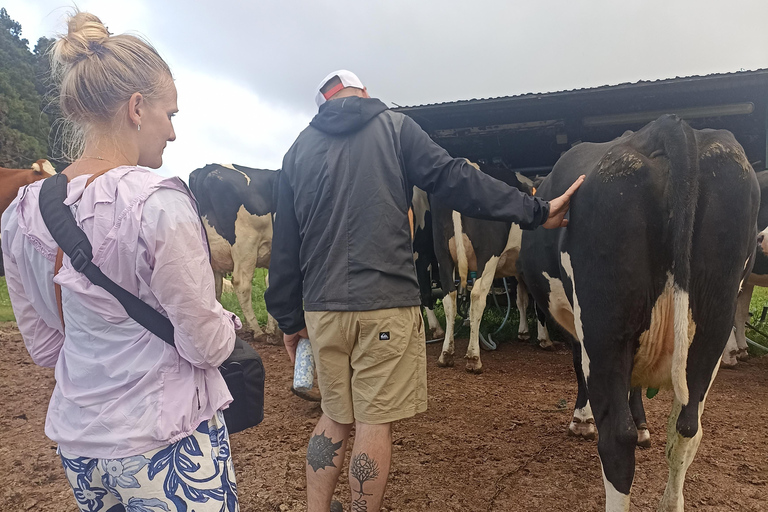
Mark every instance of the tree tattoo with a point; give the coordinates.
(321, 451)
(362, 468)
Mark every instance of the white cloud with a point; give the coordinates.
(47, 18)
(222, 122)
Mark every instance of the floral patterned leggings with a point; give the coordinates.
(194, 473)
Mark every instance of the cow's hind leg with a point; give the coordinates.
(729, 357)
(218, 282)
(522, 308)
(606, 360)
(736, 348)
(542, 334)
(271, 328)
(618, 434)
(680, 452)
(741, 318)
(583, 422)
(479, 295)
(242, 277)
(434, 329)
(638, 415)
(449, 306)
(684, 427)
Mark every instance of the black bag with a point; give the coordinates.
(243, 370)
(244, 373)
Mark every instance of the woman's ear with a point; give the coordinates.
(136, 107)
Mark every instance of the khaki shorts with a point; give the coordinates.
(371, 365)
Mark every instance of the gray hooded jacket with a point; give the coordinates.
(341, 238)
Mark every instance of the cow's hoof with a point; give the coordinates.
(742, 354)
(474, 365)
(312, 395)
(547, 345)
(523, 336)
(445, 360)
(434, 334)
(246, 334)
(269, 339)
(643, 438)
(584, 429)
(729, 362)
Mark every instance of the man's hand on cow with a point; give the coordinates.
(558, 207)
(291, 341)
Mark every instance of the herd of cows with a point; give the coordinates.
(654, 270)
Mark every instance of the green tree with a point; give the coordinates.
(50, 98)
(24, 128)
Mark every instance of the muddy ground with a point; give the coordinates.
(490, 442)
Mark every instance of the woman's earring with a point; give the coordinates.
(138, 127)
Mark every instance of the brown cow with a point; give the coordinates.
(11, 180)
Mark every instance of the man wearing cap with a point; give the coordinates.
(342, 271)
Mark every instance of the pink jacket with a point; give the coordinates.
(120, 390)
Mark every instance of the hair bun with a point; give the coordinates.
(85, 36)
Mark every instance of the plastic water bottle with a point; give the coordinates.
(304, 367)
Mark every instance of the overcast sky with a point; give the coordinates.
(246, 72)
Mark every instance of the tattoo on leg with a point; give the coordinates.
(362, 468)
(321, 451)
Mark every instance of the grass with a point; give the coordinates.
(230, 302)
(6, 312)
(759, 300)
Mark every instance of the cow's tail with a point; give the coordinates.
(678, 141)
(461, 251)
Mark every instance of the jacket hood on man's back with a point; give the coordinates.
(346, 115)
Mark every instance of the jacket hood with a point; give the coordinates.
(346, 115)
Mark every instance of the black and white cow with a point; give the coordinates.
(236, 206)
(645, 277)
(490, 249)
(736, 349)
(425, 259)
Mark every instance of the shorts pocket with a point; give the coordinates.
(386, 336)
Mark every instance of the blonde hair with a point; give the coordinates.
(97, 73)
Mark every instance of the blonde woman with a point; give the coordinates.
(138, 422)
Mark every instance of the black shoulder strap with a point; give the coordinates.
(72, 240)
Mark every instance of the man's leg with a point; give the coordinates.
(325, 457)
(369, 466)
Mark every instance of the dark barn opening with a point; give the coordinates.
(529, 132)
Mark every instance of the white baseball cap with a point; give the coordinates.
(348, 79)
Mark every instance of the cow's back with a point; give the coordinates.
(225, 192)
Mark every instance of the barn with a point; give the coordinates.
(529, 132)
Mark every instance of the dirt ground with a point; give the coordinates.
(490, 442)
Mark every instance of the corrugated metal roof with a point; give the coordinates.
(756, 72)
